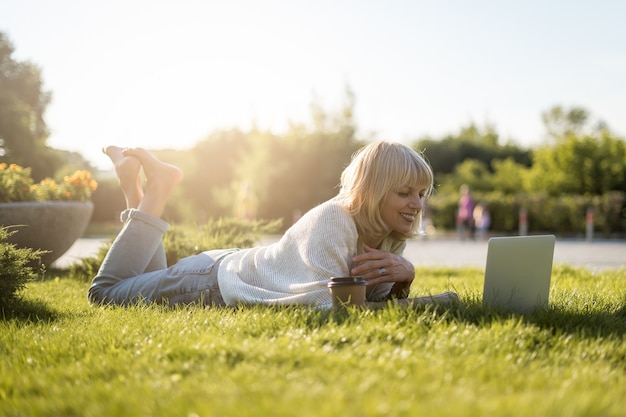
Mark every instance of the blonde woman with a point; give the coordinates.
(361, 231)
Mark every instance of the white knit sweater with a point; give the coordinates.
(297, 268)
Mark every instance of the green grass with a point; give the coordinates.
(60, 357)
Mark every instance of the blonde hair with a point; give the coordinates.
(374, 171)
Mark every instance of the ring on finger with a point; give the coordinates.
(382, 271)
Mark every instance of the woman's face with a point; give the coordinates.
(400, 208)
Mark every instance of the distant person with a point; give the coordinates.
(361, 231)
(465, 214)
(482, 220)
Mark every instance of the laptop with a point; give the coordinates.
(518, 272)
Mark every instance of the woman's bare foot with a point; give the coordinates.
(161, 178)
(127, 171)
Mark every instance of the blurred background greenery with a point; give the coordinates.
(257, 174)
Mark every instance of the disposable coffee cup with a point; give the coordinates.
(347, 291)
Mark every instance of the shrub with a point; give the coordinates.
(15, 271)
(222, 233)
(183, 241)
(563, 214)
(15, 183)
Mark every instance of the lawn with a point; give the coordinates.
(61, 357)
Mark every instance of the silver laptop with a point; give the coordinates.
(518, 272)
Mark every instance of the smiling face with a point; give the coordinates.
(384, 189)
(400, 208)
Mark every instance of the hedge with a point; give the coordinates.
(564, 214)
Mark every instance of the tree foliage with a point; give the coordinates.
(584, 158)
(580, 165)
(579, 159)
(472, 142)
(560, 122)
(23, 130)
(259, 174)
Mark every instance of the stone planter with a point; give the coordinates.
(49, 225)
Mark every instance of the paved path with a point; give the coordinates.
(82, 248)
(596, 255)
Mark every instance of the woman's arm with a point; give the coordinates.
(448, 297)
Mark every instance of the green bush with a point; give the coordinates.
(183, 241)
(504, 210)
(564, 214)
(610, 212)
(15, 269)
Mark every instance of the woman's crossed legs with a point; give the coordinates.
(126, 274)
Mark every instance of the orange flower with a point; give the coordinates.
(16, 184)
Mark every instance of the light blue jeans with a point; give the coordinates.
(135, 269)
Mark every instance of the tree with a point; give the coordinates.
(211, 173)
(561, 123)
(23, 131)
(580, 165)
(471, 142)
(584, 159)
(268, 175)
(308, 161)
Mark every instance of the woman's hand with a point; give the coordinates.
(377, 266)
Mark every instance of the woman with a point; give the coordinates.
(464, 217)
(362, 231)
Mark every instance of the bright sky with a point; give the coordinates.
(164, 74)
